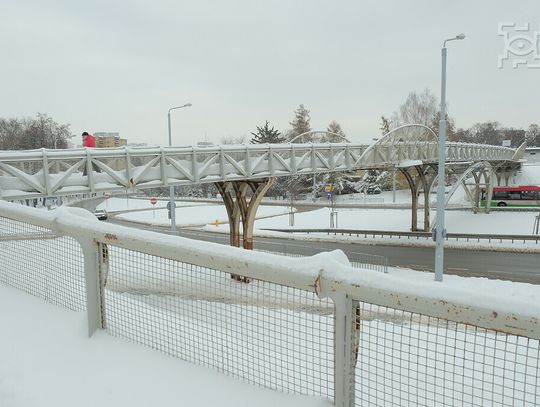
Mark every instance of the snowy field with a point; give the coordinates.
(257, 332)
(456, 221)
(122, 204)
(47, 359)
(276, 217)
(192, 214)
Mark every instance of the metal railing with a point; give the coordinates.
(94, 170)
(311, 325)
(361, 260)
(416, 235)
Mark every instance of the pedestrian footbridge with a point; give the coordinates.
(237, 169)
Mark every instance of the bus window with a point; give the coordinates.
(515, 195)
(501, 195)
(529, 195)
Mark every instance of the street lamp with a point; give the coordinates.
(440, 232)
(172, 205)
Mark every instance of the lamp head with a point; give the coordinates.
(189, 104)
(460, 36)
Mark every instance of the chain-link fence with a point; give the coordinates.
(295, 325)
(35, 260)
(264, 333)
(411, 359)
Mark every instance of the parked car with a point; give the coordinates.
(101, 214)
(373, 190)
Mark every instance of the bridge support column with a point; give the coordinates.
(414, 198)
(240, 207)
(414, 185)
(476, 192)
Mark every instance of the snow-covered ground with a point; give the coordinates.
(276, 217)
(400, 220)
(122, 204)
(195, 215)
(395, 219)
(47, 359)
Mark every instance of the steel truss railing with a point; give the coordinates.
(311, 326)
(39, 173)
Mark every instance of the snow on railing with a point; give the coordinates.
(311, 325)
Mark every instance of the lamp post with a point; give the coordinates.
(440, 232)
(171, 187)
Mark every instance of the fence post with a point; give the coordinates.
(344, 351)
(92, 252)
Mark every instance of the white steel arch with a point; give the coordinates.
(322, 133)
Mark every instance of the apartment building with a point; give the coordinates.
(109, 140)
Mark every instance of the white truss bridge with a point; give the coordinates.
(40, 173)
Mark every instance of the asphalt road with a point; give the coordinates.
(523, 267)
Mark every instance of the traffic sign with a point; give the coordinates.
(153, 200)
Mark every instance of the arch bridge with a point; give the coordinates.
(240, 172)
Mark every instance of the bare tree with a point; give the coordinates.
(532, 135)
(233, 139)
(516, 136)
(450, 126)
(487, 133)
(32, 133)
(419, 108)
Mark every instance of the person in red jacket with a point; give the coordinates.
(89, 141)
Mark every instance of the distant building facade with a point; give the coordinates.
(109, 139)
(532, 154)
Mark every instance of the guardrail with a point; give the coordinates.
(418, 235)
(311, 325)
(361, 260)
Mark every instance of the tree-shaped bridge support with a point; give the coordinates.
(242, 199)
(426, 176)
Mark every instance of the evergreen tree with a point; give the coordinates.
(300, 124)
(385, 126)
(335, 128)
(371, 181)
(300, 184)
(265, 134)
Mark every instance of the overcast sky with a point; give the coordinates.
(120, 65)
